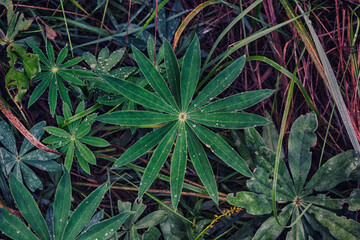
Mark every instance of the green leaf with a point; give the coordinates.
(31, 65)
(339, 227)
(37, 51)
(106, 228)
(236, 102)
(143, 145)
(133, 235)
(71, 63)
(63, 91)
(202, 165)
(270, 229)
(83, 213)
(70, 78)
(8, 138)
(37, 131)
(151, 220)
(324, 200)
(234, 120)
(21, 25)
(152, 234)
(336, 170)
(136, 118)
(261, 183)
(15, 78)
(138, 94)
(253, 203)
(50, 52)
(95, 141)
(190, 73)
(219, 83)
(53, 95)
(30, 178)
(150, 48)
(297, 231)
(113, 59)
(178, 166)
(301, 139)
(57, 132)
(69, 155)
(39, 90)
(221, 149)
(62, 55)
(13, 227)
(157, 160)
(354, 200)
(265, 158)
(85, 152)
(62, 205)
(90, 59)
(28, 208)
(82, 161)
(173, 71)
(154, 78)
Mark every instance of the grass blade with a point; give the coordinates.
(334, 88)
(189, 17)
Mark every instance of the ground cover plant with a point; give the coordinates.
(179, 119)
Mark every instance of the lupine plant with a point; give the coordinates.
(54, 73)
(18, 162)
(184, 121)
(72, 139)
(64, 227)
(307, 210)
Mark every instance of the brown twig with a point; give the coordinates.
(149, 190)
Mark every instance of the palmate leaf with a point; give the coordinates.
(138, 94)
(136, 118)
(190, 73)
(183, 122)
(28, 208)
(157, 160)
(219, 83)
(13, 227)
(301, 139)
(154, 78)
(221, 149)
(178, 165)
(57, 72)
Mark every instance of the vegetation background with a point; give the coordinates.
(304, 57)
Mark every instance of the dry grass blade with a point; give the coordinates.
(23, 130)
(333, 86)
(189, 18)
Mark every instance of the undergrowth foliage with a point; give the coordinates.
(154, 124)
